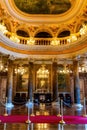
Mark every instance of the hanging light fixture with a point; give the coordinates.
(65, 70)
(1, 64)
(42, 72)
(21, 70)
(83, 69)
(83, 66)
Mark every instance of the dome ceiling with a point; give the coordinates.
(43, 6)
(68, 10)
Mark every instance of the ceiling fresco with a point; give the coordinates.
(43, 6)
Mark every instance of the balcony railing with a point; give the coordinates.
(44, 41)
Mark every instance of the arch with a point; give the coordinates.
(64, 28)
(43, 34)
(64, 33)
(44, 29)
(22, 33)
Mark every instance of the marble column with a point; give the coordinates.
(0, 87)
(76, 84)
(9, 84)
(30, 82)
(55, 82)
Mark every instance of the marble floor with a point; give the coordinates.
(41, 127)
(41, 109)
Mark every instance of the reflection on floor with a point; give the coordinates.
(41, 127)
(41, 109)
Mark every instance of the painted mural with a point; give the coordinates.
(43, 6)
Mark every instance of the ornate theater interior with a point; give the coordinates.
(43, 51)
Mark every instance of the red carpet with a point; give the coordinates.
(43, 119)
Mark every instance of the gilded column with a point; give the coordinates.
(55, 82)
(76, 84)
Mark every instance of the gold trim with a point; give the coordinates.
(67, 16)
(70, 50)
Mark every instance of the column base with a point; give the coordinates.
(62, 122)
(28, 121)
(9, 105)
(78, 106)
(29, 104)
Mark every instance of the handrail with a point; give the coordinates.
(45, 41)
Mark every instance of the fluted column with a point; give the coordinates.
(9, 84)
(30, 81)
(55, 82)
(76, 84)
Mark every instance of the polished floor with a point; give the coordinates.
(41, 109)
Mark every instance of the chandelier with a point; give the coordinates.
(83, 66)
(83, 69)
(1, 66)
(42, 72)
(20, 70)
(64, 70)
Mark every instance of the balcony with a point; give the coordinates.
(43, 41)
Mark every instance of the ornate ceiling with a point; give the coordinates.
(70, 20)
(43, 7)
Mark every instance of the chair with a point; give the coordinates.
(68, 98)
(61, 96)
(23, 97)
